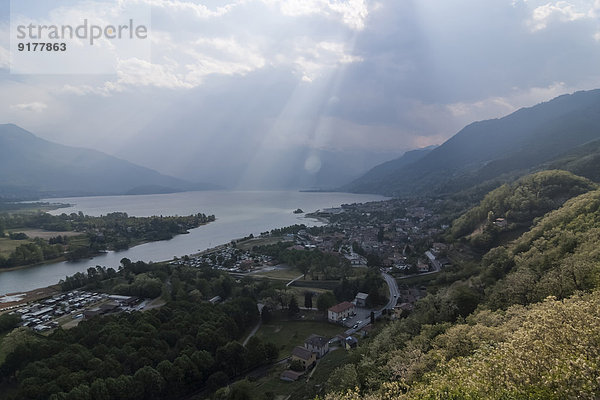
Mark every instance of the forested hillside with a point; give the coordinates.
(518, 204)
(521, 323)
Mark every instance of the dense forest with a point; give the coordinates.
(188, 345)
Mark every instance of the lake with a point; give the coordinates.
(238, 213)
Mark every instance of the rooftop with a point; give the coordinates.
(302, 353)
(316, 341)
(338, 308)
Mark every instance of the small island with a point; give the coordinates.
(298, 211)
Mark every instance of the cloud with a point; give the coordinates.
(561, 11)
(198, 10)
(36, 107)
(235, 78)
(351, 12)
(314, 58)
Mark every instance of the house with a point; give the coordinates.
(306, 357)
(361, 299)
(317, 344)
(290, 376)
(350, 343)
(340, 311)
(439, 247)
(433, 260)
(422, 267)
(215, 300)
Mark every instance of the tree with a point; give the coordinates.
(232, 358)
(343, 378)
(296, 365)
(151, 381)
(325, 301)
(241, 391)
(293, 308)
(308, 299)
(265, 315)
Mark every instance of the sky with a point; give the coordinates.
(236, 89)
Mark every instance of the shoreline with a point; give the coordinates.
(309, 216)
(92, 256)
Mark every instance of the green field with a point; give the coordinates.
(279, 274)
(7, 246)
(287, 334)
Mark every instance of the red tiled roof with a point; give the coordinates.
(338, 308)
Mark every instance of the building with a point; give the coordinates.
(306, 357)
(317, 344)
(361, 299)
(290, 376)
(350, 343)
(433, 260)
(340, 311)
(422, 267)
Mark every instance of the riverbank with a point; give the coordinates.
(11, 301)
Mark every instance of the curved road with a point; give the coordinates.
(394, 293)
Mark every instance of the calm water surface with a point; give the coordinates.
(238, 214)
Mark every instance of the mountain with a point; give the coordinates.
(582, 160)
(485, 150)
(31, 166)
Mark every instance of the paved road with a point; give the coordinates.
(294, 280)
(394, 293)
(256, 328)
(365, 319)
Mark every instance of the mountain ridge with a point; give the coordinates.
(32, 166)
(484, 150)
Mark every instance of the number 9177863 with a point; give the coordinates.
(40, 46)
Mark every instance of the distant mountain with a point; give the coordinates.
(583, 161)
(31, 166)
(486, 150)
(379, 175)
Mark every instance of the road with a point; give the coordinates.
(394, 291)
(366, 320)
(294, 280)
(256, 328)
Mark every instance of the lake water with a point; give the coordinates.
(238, 214)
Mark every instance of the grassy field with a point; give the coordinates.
(7, 246)
(287, 334)
(288, 274)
